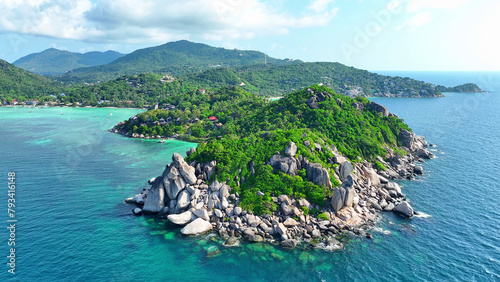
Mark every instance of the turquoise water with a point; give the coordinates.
(73, 175)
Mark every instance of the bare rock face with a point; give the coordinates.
(290, 222)
(174, 186)
(357, 105)
(372, 175)
(311, 102)
(183, 200)
(317, 174)
(338, 198)
(349, 196)
(180, 219)
(404, 209)
(345, 169)
(198, 226)
(287, 165)
(344, 196)
(187, 172)
(413, 141)
(378, 108)
(291, 150)
(155, 201)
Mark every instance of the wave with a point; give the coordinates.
(421, 214)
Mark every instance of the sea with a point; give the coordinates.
(72, 176)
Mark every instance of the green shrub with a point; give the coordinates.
(305, 210)
(323, 216)
(379, 166)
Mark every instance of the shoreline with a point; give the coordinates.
(184, 195)
(91, 107)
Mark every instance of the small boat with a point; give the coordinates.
(162, 141)
(110, 114)
(62, 113)
(31, 111)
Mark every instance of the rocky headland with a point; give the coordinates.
(185, 196)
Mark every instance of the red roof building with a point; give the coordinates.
(212, 118)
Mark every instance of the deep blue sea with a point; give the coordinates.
(72, 177)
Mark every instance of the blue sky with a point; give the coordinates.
(457, 35)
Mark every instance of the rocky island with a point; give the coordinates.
(326, 165)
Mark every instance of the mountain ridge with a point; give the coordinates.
(53, 61)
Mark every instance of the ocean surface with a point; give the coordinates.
(72, 177)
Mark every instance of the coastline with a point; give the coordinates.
(93, 107)
(184, 195)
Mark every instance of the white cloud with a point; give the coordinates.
(415, 21)
(415, 6)
(320, 6)
(131, 21)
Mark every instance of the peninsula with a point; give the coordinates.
(304, 168)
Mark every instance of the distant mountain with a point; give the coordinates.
(53, 61)
(16, 82)
(180, 57)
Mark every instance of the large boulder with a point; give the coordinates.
(412, 141)
(404, 209)
(345, 169)
(198, 226)
(290, 222)
(155, 201)
(423, 153)
(318, 175)
(180, 219)
(349, 196)
(378, 108)
(311, 102)
(280, 229)
(291, 150)
(202, 213)
(171, 172)
(183, 200)
(371, 174)
(187, 172)
(173, 187)
(357, 106)
(338, 198)
(287, 165)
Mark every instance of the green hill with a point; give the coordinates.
(277, 80)
(175, 58)
(53, 61)
(249, 131)
(17, 83)
(464, 88)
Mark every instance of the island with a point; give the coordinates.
(305, 168)
(154, 75)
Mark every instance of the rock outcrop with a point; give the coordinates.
(404, 209)
(183, 196)
(155, 200)
(378, 108)
(198, 226)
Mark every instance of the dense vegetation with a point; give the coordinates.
(464, 88)
(277, 80)
(175, 58)
(16, 83)
(249, 129)
(53, 61)
(183, 68)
